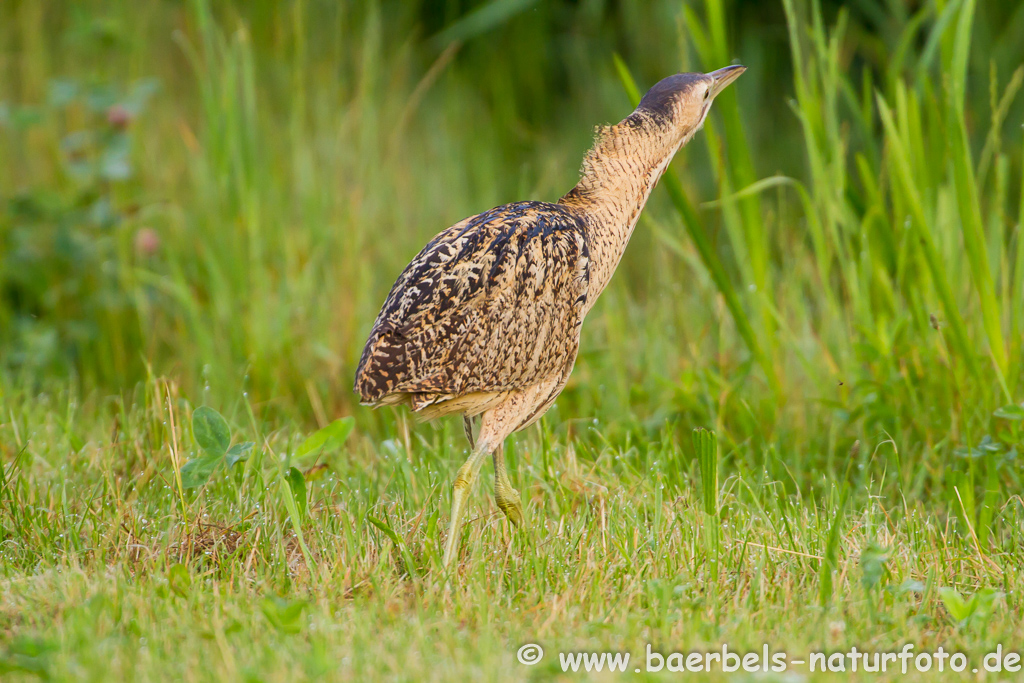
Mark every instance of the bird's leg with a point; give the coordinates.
(467, 425)
(505, 496)
(460, 495)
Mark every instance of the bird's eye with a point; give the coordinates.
(707, 94)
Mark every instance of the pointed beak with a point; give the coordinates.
(724, 77)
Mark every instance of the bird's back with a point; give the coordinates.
(492, 304)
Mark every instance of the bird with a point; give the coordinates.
(485, 320)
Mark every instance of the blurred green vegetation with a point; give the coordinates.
(206, 203)
(223, 194)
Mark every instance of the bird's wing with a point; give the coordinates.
(492, 303)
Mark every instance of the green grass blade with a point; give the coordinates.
(967, 191)
(921, 229)
(1016, 292)
(705, 443)
(479, 21)
(974, 240)
(830, 563)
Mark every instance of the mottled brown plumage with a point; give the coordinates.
(491, 305)
(486, 319)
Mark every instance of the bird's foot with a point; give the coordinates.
(509, 502)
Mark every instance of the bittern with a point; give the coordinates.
(485, 321)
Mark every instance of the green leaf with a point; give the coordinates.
(955, 604)
(28, 654)
(983, 602)
(298, 487)
(24, 117)
(210, 430)
(976, 610)
(114, 166)
(330, 437)
(239, 452)
(911, 586)
(872, 564)
(1010, 412)
(197, 471)
(179, 579)
(386, 528)
(284, 615)
(61, 92)
(984, 447)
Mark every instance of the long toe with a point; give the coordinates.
(512, 506)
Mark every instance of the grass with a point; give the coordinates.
(206, 204)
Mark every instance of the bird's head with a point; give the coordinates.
(645, 141)
(682, 101)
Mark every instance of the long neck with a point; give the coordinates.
(619, 173)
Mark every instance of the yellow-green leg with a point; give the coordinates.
(495, 425)
(460, 496)
(506, 496)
